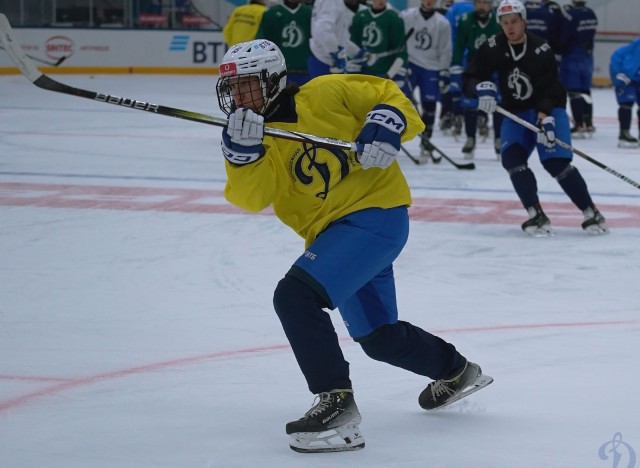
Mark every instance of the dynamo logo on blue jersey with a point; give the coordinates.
(179, 43)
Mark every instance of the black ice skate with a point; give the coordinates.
(469, 148)
(456, 130)
(331, 425)
(581, 132)
(594, 222)
(538, 224)
(589, 127)
(625, 140)
(426, 148)
(461, 383)
(446, 122)
(496, 147)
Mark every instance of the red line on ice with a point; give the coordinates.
(73, 383)
(460, 210)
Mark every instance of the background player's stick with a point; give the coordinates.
(373, 57)
(28, 69)
(409, 155)
(468, 166)
(45, 62)
(561, 143)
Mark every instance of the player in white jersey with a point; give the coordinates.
(429, 48)
(330, 42)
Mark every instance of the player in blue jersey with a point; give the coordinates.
(351, 209)
(577, 38)
(454, 121)
(542, 22)
(473, 30)
(531, 89)
(624, 70)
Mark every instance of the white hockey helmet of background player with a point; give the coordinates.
(260, 58)
(508, 7)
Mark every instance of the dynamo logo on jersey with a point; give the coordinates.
(520, 84)
(179, 43)
(292, 35)
(423, 39)
(371, 36)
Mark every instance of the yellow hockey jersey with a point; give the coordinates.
(310, 187)
(243, 24)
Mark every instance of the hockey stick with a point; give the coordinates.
(409, 155)
(469, 165)
(463, 166)
(28, 69)
(584, 96)
(373, 58)
(564, 145)
(45, 62)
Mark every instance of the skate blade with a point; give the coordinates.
(544, 231)
(425, 156)
(328, 449)
(597, 230)
(343, 439)
(625, 144)
(469, 156)
(481, 382)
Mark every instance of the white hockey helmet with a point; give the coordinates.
(260, 58)
(507, 7)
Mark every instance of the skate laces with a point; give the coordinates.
(440, 387)
(324, 401)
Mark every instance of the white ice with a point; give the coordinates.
(137, 329)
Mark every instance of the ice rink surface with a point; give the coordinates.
(136, 325)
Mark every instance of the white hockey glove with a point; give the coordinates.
(379, 139)
(487, 95)
(547, 135)
(242, 138)
(354, 64)
(622, 80)
(339, 61)
(353, 67)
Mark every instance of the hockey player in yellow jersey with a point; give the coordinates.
(244, 22)
(352, 211)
